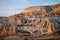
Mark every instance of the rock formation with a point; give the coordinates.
(36, 20)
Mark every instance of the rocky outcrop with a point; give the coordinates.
(35, 20)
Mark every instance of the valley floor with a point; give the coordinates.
(45, 37)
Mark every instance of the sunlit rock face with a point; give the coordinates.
(35, 20)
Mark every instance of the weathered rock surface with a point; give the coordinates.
(35, 20)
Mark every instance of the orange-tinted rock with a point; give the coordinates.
(35, 19)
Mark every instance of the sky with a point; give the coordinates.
(11, 7)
